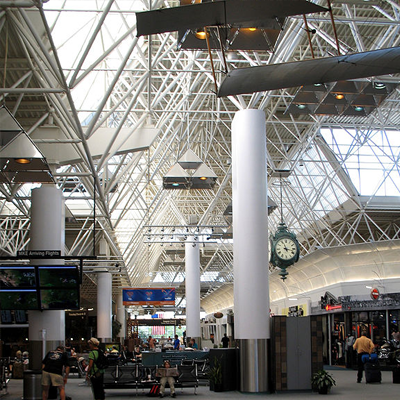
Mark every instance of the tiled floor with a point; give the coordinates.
(346, 388)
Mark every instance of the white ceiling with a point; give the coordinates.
(112, 114)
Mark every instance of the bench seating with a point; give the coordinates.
(137, 376)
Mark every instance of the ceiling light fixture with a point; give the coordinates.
(379, 85)
(23, 160)
(340, 96)
(201, 34)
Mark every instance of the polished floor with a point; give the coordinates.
(346, 388)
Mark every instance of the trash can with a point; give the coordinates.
(33, 384)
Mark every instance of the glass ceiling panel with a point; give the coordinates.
(369, 157)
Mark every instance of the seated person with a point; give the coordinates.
(127, 355)
(137, 354)
(167, 375)
(193, 344)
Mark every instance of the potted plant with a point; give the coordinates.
(215, 375)
(322, 381)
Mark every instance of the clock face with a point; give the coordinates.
(286, 249)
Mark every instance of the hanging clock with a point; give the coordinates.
(285, 249)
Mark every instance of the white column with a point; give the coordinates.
(104, 306)
(46, 328)
(192, 288)
(121, 317)
(250, 235)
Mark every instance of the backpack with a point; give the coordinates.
(154, 391)
(101, 361)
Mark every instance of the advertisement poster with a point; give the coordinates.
(148, 296)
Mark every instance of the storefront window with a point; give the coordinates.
(394, 323)
(378, 319)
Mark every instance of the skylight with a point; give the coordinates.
(369, 158)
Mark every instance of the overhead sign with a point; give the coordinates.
(39, 253)
(148, 296)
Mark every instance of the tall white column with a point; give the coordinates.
(46, 328)
(250, 249)
(104, 306)
(192, 288)
(121, 317)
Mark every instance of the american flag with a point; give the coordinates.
(158, 330)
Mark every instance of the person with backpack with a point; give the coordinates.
(95, 371)
(55, 371)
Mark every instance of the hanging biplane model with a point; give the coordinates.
(227, 16)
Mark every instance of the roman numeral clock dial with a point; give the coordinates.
(285, 249)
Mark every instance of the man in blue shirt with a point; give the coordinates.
(177, 343)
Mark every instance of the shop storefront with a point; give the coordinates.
(345, 321)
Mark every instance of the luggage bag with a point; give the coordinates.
(372, 358)
(372, 372)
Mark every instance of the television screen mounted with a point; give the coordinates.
(59, 299)
(58, 276)
(17, 277)
(19, 300)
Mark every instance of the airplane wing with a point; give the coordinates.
(320, 70)
(220, 13)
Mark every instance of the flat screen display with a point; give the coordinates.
(20, 317)
(19, 299)
(59, 276)
(6, 317)
(17, 277)
(59, 299)
(108, 347)
(49, 287)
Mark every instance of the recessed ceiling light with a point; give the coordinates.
(358, 108)
(301, 106)
(23, 160)
(340, 96)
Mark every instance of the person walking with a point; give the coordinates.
(177, 343)
(55, 371)
(363, 345)
(151, 343)
(167, 375)
(95, 374)
(225, 341)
